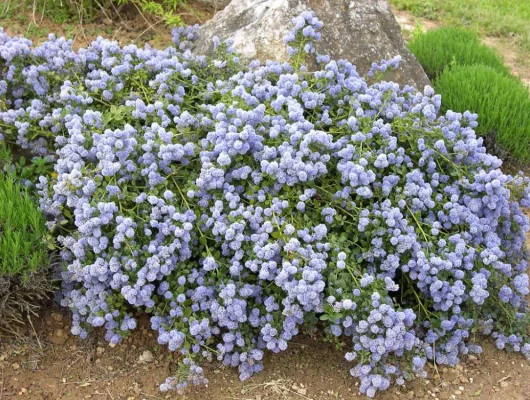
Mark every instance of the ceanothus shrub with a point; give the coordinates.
(237, 205)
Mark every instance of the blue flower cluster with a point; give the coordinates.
(236, 204)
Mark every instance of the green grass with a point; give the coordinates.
(501, 102)
(486, 17)
(23, 247)
(444, 47)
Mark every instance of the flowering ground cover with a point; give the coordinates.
(240, 205)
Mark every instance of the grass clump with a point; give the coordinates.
(502, 103)
(24, 257)
(441, 48)
(22, 230)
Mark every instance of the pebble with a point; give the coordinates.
(57, 317)
(504, 384)
(302, 391)
(58, 337)
(100, 350)
(146, 357)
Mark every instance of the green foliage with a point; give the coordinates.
(502, 103)
(440, 48)
(25, 171)
(23, 247)
(165, 10)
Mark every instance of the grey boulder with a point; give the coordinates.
(360, 31)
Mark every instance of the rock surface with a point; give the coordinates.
(361, 31)
(146, 357)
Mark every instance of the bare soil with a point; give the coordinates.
(127, 25)
(54, 365)
(50, 364)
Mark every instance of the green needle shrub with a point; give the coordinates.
(24, 257)
(440, 48)
(501, 102)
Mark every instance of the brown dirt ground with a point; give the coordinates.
(50, 364)
(124, 24)
(53, 365)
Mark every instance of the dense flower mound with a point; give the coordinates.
(238, 205)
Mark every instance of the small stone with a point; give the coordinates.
(458, 392)
(146, 357)
(504, 384)
(58, 337)
(110, 368)
(15, 366)
(57, 317)
(112, 345)
(410, 395)
(100, 350)
(461, 388)
(302, 391)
